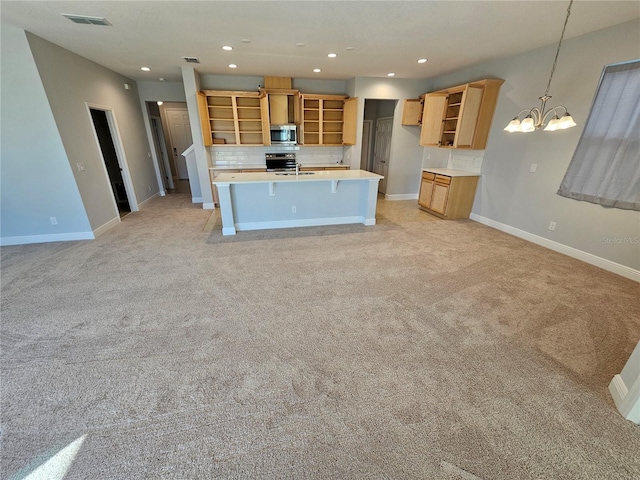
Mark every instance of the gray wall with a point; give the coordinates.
(36, 178)
(508, 192)
(403, 177)
(70, 81)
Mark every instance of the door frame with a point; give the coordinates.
(368, 164)
(121, 156)
(157, 132)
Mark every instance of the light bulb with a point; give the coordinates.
(553, 124)
(514, 126)
(527, 124)
(566, 121)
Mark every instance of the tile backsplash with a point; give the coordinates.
(471, 160)
(221, 155)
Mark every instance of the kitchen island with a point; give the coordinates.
(263, 200)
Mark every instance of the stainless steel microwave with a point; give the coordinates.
(284, 134)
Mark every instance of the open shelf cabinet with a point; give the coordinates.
(234, 118)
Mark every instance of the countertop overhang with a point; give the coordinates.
(272, 177)
(450, 172)
(243, 166)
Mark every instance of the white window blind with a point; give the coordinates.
(605, 167)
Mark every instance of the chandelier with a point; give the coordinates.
(537, 117)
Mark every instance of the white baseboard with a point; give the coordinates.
(150, 198)
(53, 237)
(196, 199)
(627, 401)
(209, 206)
(306, 222)
(402, 196)
(114, 222)
(600, 262)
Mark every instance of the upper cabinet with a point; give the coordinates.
(460, 117)
(328, 120)
(412, 111)
(234, 118)
(245, 118)
(283, 100)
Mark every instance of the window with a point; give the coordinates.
(605, 167)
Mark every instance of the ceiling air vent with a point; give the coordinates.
(191, 60)
(83, 19)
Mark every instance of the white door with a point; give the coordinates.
(382, 150)
(180, 133)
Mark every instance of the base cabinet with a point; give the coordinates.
(446, 196)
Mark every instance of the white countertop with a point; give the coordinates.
(451, 173)
(271, 177)
(242, 166)
(237, 166)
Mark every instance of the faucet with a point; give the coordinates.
(298, 169)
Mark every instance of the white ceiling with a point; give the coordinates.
(386, 36)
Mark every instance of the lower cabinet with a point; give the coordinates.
(449, 197)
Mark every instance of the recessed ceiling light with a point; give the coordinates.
(332, 55)
(350, 48)
(299, 44)
(245, 40)
(227, 47)
(233, 65)
(161, 79)
(422, 60)
(391, 74)
(159, 102)
(317, 70)
(145, 69)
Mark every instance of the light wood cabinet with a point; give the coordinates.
(460, 117)
(283, 106)
(328, 120)
(412, 111)
(446, 196)
(234, 118)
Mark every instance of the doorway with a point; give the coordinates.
(105, 139)
(180, 138)
(161, 151)
(376, 138)
(382, 150)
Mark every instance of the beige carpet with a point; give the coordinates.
(413, 349)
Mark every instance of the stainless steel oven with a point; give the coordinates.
(280, 162)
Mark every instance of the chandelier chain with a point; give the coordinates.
(555, 60)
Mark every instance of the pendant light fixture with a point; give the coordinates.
(537, 117)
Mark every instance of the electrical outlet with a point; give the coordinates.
(80, 166)
(293, 209)
(552, 226)
(53, 220)
(534, 167)
(149, 187)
